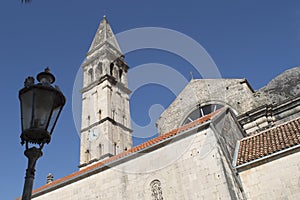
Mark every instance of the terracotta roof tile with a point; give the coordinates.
(269, 142)
(130, 151)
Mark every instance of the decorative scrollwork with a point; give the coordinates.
(156, 190)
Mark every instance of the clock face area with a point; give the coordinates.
(201, 111)
(93, 134)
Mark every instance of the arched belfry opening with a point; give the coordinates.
(99, 70)
(90, 75)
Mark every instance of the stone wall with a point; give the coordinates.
(274, 179)
(190, 168)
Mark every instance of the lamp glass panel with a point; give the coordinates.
(43, 103)
(53, 119)
(26, 100)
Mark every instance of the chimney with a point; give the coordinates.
(49, 178)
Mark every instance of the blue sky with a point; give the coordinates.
(246, 39)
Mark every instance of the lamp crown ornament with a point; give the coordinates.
(28, 81)
(46, 77)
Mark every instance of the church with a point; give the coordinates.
(218, 139)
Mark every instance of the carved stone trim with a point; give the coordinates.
(156, 190)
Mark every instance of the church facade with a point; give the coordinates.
(219, 139)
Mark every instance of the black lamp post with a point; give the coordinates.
(41, 105)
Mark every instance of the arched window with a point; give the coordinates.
(100, 150)
(124, 120)
(99, 114)
(201, 111)
(113, 113)
(115, 149)
(91, 75)
(115, 73)
(99, 70)
(156, 190)
(88, 120)
(111, 66)
(87, 155)
(120, 74)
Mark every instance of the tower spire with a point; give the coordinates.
(105, 123)
(104, 35)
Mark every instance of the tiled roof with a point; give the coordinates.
(269, 142)
(130, 151)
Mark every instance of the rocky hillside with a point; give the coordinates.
(283, 87)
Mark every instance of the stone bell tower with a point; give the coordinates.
(105, 128)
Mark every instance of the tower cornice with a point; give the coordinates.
(103, 50)
(109, 46)
(104, 120)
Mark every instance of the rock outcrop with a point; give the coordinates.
(283, 87)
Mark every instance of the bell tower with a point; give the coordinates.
(105, 126)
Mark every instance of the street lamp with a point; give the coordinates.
(41, 105)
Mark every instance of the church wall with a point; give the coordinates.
(276, 179)
(190, 168)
